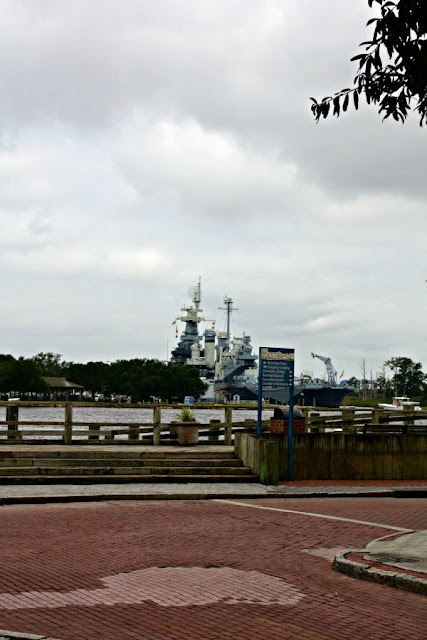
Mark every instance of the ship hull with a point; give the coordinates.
(328, 397)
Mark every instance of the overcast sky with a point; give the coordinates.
(145, 143)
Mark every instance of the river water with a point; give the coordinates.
(106, 415)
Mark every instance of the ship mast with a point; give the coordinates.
(191, 317)
(229, 310)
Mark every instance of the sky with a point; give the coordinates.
(147, 143)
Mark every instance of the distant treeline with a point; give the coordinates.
(398, 376)
(139, 379)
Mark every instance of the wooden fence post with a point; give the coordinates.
(410, 418)
(94, 428)
(12, 414)
(228, 425)
(214, 437)
(376, 416)
(157, 418)
(133, 433)
(347, 416)
(68, 425)
(313, 416)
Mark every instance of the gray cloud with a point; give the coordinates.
(145, 144)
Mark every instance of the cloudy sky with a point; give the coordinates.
(145, 143)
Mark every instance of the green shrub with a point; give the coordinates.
(185, 415)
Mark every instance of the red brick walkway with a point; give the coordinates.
(200, 571)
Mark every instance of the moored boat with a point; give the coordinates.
(401, 403)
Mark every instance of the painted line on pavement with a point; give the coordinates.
(315, 515)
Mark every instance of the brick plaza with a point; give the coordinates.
(199, 570)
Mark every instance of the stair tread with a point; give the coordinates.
(17, 469)
(30, 462)
(148, 478)
(164, 455)
(92, 466)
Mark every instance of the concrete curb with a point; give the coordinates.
(380, 576)
(11, 635)
(57, 499)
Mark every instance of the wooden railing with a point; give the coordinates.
(157, 431)
(69, 431)
(353, 420)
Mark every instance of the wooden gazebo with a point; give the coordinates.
(60, 387)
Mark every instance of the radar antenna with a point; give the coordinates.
(195, 294)
(331, 373)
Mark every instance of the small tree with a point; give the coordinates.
(362, 369)
(392, 70)
(355, 383)
(50, 364)
(384, 384)
(408, 378)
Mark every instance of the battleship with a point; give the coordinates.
(229, 367)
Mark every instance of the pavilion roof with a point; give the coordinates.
(61, 383)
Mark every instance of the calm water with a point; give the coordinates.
(122, 414)
(128, 415)
(98, 414)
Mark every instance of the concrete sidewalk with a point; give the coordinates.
(43, 494)
(398, 561)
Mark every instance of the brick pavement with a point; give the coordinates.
(411, 514)
(200, 570)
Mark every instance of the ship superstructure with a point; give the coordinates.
(229, 366)
(219, 358)
(189, 349)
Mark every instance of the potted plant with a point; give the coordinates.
(188, 427)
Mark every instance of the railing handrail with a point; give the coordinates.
(345, 418)
(97, 427)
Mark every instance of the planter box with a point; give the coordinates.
(282, 426)
(188, 433)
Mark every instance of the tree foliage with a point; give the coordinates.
(408, 378)
(21, 375)
(93, 376)
(141, 379)
(50, 364)
(144, 379)
(384, 385)
(392, 70)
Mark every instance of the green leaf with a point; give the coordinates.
(345, 103)
(336, 106)
(356, 100)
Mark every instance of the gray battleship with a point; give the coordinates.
(229, 366)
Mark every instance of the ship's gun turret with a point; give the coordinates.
(331, 373)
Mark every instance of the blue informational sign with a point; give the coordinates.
(276, 370)
(277, 367)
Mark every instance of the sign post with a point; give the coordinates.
(276, 369)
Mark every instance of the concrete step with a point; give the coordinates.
(156, 453)
(116, 479)
(117, 470)
(117, 462)
(23, 464)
